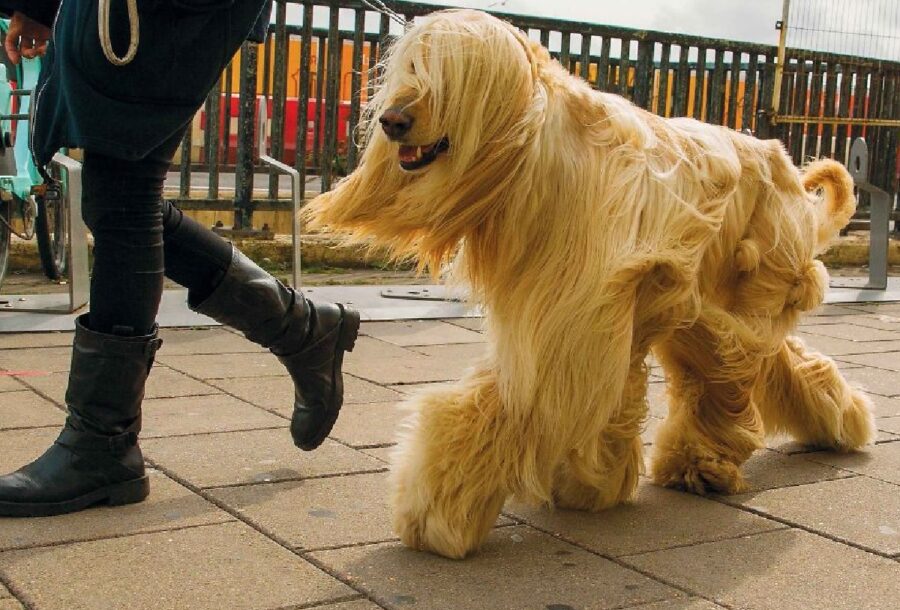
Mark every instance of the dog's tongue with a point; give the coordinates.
(408, 154)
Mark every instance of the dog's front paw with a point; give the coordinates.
(424, 529)
(697, 473)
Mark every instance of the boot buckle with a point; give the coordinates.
(122, 442)
(86, 441)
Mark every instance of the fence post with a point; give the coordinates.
(332, 102)
(184, 189)
(213, 118)
(243, 188)
(279, 95)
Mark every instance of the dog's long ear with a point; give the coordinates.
(537, 55)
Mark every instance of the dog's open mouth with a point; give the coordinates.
(416, 157)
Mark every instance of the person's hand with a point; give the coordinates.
(25, 37)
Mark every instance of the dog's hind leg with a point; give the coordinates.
(450, 473)
(713, 425)
(606, 473)
(803, 393)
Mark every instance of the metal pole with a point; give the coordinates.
(79, 273)
(77, 252)
(779, 67)
(879, 218)
(296, 190)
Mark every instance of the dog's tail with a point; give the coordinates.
(837, 202)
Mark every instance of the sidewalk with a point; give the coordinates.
(240, 519)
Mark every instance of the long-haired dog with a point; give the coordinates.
(591, 231)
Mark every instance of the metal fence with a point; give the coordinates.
(316, 76)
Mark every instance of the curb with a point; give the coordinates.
(327, 250)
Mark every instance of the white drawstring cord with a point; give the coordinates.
(103, 27)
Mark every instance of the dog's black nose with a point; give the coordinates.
(395, 123)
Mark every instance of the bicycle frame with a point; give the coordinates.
(26, 174)
(18, 178)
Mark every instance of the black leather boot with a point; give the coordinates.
(309, 339)
(96, 458)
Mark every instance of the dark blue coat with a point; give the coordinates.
(83, 101)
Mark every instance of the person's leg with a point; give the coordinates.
(138, 238)
(96, 457)
(309, 338)
(122, 208)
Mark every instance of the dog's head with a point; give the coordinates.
(444, 134)
(455, 89)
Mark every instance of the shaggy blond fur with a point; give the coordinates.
(591, 231)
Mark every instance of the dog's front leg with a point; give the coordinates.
(449, 476)
(605, 471)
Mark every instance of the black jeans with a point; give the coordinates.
(139, 238)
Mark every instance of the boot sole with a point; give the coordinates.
(349, 331)
(129, 492)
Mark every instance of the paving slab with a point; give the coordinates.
(788, 446)
(10, 383)
(460, 357)
(412, 367)
(885, 308)
(886, 437)
(658, 518)
(205, 341)
(829, 309)
(656, 400)
(411, 389)
(19, 447)
(870, 320)
(368, 425)
(4, 592)
(875, 381)
(360, 604)
(891, 425)
(25, 409)
(21, 340)
(885, 406)
(859, 510)
(333, 501)
(224, 366)
(384, 454)
(317, 513)
(768, 469)
(209, 567)
(648, 434)
(37, 360)
(202, 414)
(277, 393)
(517, 569)
(781, 570)
(851, 332)
(421, 332)
(879, 462)
(170, 506)
(693, 603)
(476, 324)
(884, 361)
(258, 456)
(10, 604)
(844, 347)
(163, 382)
(371, 349)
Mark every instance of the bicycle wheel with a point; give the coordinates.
(5, 215)
(51, 229)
